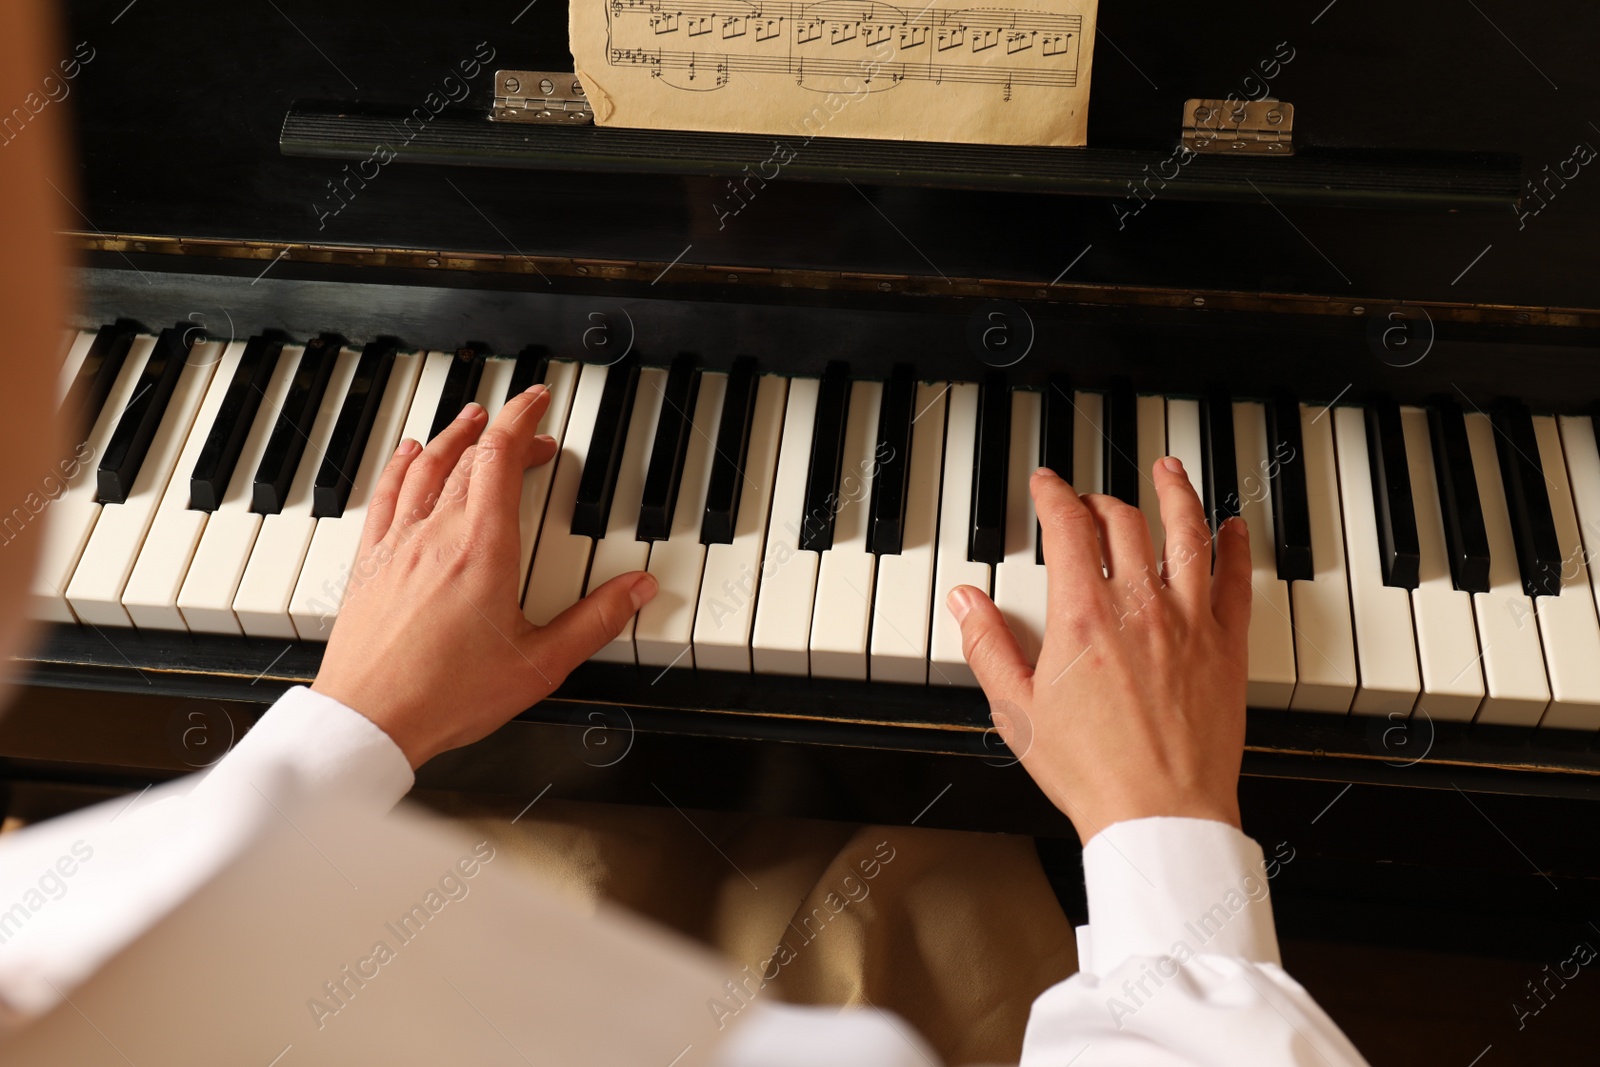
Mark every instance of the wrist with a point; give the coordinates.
(1091, 822)
(383, 715)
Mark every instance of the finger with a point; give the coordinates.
(505, 451)
(1187, 563)
(989, 645)
(1126, 539)
(454, 493)
(593, 622)
(1071, 541)
(426, 481)
(1230, 582)
(380, 509)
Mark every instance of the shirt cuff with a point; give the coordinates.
(333, 749)
(1175, 887)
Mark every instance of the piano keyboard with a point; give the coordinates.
(1405, 558)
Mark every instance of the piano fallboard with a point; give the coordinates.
(943, 721)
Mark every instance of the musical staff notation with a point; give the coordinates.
(700, 44)
(719, 65)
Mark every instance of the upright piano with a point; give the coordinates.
(302, 235)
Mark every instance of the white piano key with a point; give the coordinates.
(95, 591)
(1088, 443)
(1447, 640)
(331, 561)
(620, 550)
(77, 352)
(725, 614)
(492, 385)
(1567, 622)
(841, 616)
(561, 378)
(491, 396)
(664, 629)
(780, 640)
(1583, 474)
(151, 596)
(72, 517)
(1324, 642)
(1386, 645)
(1152, 446)
(1183, 440)
(902, 601)
(1020, 584)
(1508, 631)
(561, 560)
(206, 597)
(1272, 667)
(946, 664)
(424, 399)
(268, 583)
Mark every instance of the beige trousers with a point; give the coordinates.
(956, 932)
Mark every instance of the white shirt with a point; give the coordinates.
(1179, 964)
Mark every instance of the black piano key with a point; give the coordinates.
(220, 454)
(533, 364)
(1055, 436)
(331, 491)
(598, 485)
(664, 475)
(1121, 430)
(460, 386)
(990, 471)
(136, 429)
(98, 373)
(1219, 457)
(287, 445)
(827, 453)
(732, 447)
(1286, 473)
(1466, 540)
(1533, 526)
(892, 453)
(1391, 495)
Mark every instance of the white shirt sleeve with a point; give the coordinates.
(1179, 963)
(333, 749)
(77, 889)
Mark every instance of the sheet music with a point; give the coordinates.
(1010, 72)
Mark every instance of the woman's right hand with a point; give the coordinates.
(1136, 707)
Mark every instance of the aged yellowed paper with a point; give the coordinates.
(1007, 72)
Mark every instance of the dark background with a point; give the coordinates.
(179, 115)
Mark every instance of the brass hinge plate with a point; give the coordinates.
(550, 97)
(1239, 127)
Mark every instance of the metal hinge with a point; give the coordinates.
(1239, 127)
(546, 96)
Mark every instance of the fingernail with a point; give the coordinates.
(544, 438)
(471, 411)
(1173, 464)
(1041, 471)
(1238, 526)
(406, 447)
(959, 602)
(643, 590)
(535, 389)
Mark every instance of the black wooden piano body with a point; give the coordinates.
(1428, 236)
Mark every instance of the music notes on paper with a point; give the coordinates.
(1011, 72)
